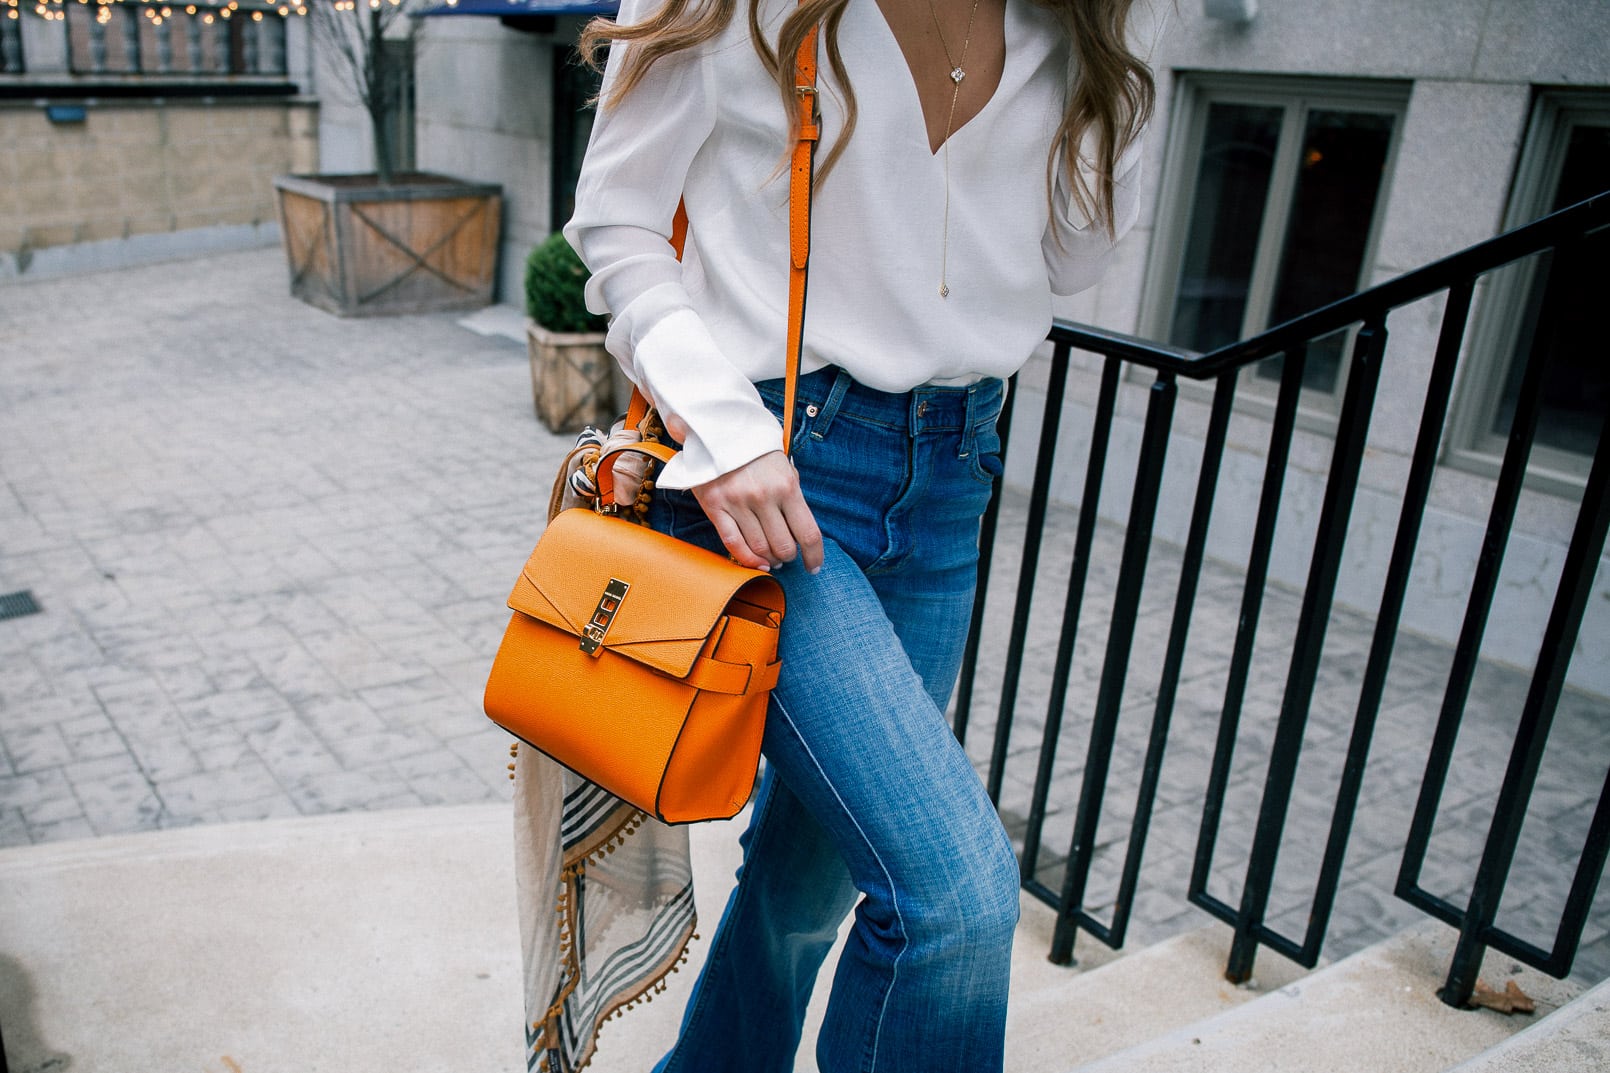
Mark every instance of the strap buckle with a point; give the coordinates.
(810, 115)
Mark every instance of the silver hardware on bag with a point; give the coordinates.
(592, 635)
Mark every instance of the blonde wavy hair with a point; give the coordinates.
(1109, 101)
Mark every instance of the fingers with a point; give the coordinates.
(744, 539)
(802, 524)
(761, 516)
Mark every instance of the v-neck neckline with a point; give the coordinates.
(910, 80)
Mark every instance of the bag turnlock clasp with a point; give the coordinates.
(592, 635)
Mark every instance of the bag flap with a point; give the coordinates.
(675, 591)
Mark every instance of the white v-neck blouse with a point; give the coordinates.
(708, 126)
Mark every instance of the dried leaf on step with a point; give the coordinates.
(1510, 1000)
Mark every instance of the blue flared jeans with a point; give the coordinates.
(868, 802)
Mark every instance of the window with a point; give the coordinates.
(1565, 159)
(10, 43)
(189, 40)
(1274, 212)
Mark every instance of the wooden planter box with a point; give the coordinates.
(574, 381)
(425, 243)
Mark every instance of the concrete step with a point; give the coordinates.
(384, 941)
(1573, 1039)
(372, 942)
(1376, 1011)
(1111, 1001)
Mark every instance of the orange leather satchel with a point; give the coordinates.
(641, 662)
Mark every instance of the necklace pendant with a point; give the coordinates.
(944, 291)
(957, 74)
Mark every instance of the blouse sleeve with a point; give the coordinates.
(1076, 248)
(631, 181)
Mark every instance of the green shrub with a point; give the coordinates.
(554, 282)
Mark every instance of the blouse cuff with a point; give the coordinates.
(636, 321)
(685, 374)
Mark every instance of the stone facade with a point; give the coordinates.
(485, 112)
(114, 156)
(143, 168)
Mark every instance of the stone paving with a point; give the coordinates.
(270, 547)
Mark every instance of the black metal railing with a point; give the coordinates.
(1365, 316)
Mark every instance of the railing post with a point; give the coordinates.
(1174, 659)
(1478, 916)
(987, 529)
(1274, 474)
(1531, 736)
(1120, 639)
(1417, 489)
(1073, 601)
(1352, 433)
(1039, 500)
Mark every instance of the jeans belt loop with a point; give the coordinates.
(830, 407)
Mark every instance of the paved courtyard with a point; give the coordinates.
(270, 548)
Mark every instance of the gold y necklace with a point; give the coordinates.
(957, 73)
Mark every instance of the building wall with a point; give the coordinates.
(1472, 68)
(145, 168)
(485, 112)
(163, 172)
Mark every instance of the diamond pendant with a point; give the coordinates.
(957, 74)
(944, 291)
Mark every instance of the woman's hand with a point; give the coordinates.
(761, 516)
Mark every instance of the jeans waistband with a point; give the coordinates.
(829, 393)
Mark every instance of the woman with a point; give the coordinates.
(963, 177)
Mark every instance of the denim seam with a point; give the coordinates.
(894, 897)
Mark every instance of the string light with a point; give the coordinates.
(158, 13)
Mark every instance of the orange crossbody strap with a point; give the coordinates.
(799, 236)
(799, 222)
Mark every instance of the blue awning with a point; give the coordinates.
(524, 7)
